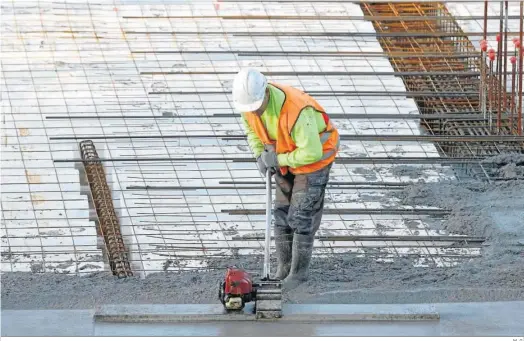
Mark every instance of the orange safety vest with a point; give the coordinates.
(294, 102)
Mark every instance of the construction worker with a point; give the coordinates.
(290, 134)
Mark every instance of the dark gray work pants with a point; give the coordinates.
(300, 211)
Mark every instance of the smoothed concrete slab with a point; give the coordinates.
(47, 322)
(456, 319)
(270, 329)
(318, 313)
(359, 312)
(170, 313)
(482, 318)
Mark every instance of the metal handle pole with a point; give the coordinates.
(267, 246)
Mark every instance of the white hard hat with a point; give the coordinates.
(249, 88)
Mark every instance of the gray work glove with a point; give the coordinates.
(262, 166)
(269, 157)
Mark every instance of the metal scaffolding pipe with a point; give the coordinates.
(312, 53)
(318, 1)
(451, 116)
(321, 34)
(443, 74)
(323, 17)
(346, 137)
(505, 60)
(334, 183)
(238, 186)
(340, 160)
(347, 211)
(513, 96)
(500, 45)
(408, 94)
(491, 96)
(521, 71)
(466, 239)
(484, 35)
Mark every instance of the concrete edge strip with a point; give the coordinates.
(291, 313)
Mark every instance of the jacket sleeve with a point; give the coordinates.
(307, 139)
(257, 147)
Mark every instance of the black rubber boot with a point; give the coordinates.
(283, 246)
(302, 251)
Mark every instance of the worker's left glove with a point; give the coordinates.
(270, 159)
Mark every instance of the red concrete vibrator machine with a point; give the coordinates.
(238, 287)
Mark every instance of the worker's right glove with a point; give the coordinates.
(270, 159)
(262, 166)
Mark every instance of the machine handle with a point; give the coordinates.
(267, 240)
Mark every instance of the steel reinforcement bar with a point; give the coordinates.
(441, 105)
(108, 221)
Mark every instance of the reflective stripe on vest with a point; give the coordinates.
(324, 137)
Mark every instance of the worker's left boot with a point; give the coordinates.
(283, 248)
(302, 251)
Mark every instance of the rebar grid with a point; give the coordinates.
(439, 20)
(184, 227)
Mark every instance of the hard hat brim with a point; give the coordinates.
(249, 107)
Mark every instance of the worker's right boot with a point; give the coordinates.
(302, 252)
(284, 251)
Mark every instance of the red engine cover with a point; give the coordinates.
(238, 282)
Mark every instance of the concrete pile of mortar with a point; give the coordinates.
(494, 211)
(507, 166)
